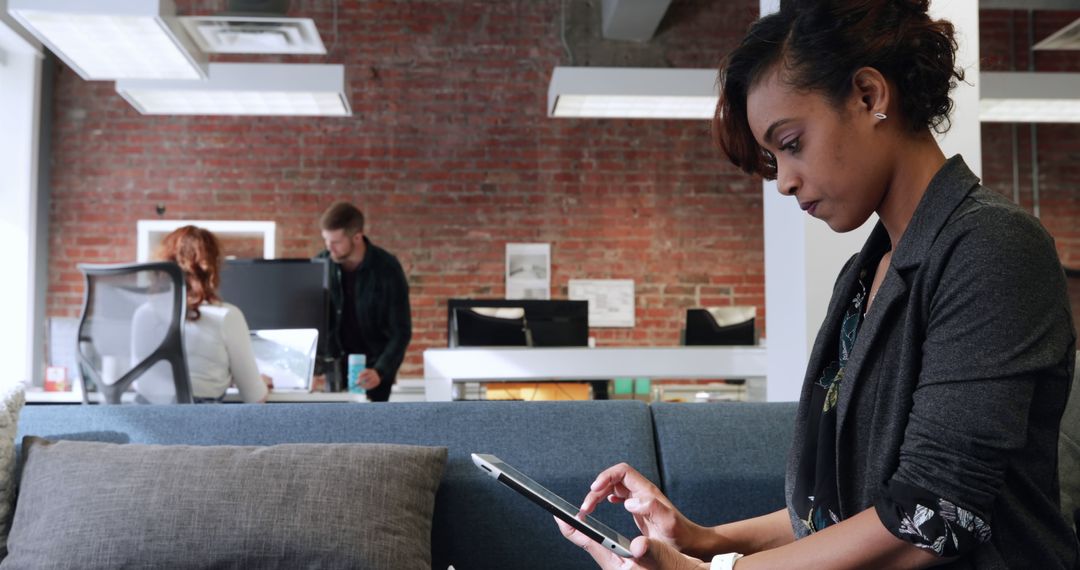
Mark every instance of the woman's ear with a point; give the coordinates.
(871, 91)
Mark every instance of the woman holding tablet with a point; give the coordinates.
(927, 428)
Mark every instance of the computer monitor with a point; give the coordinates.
(472, 322)
(720, 326)
(279, 293)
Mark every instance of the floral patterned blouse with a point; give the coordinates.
(929, 522)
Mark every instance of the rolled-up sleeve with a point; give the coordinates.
(993, 332)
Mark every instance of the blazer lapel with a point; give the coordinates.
(822, 351)
(892, 293)
(946, 191)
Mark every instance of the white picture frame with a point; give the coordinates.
(528, 271)
(150, 233)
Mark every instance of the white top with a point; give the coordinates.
(218, 350)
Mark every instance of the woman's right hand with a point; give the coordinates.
(653, 513)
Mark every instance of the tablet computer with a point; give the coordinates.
(553, 503)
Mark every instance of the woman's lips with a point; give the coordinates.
(809, 207)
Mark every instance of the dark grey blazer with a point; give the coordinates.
(959, 374)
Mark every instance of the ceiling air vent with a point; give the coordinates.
(254, 34)
(1065, 38)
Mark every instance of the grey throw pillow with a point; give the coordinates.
(11, 403)
(94, 505)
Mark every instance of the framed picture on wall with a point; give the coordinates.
(528, 271)
(611, 301)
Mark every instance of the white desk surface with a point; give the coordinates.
(445, 366)
(231, 396)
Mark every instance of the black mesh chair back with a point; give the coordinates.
(130, 337)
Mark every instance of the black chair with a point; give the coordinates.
(721, 326)
(130, 335)
(489, 326)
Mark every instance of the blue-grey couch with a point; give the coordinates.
(717, 462)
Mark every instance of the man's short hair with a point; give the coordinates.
(343, 216)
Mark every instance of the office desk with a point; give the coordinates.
(231, 396)
(446, 367)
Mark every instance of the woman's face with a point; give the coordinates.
(827, 157)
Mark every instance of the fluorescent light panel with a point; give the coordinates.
(245, 89)
(113, 39)
(1065, 38)
(642, 93)
(635, 93)
(1029, 97)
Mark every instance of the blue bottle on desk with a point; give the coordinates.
(356, 365)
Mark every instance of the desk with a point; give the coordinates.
(445, 367)
(231, 396)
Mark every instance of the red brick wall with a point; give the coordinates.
(450, 154)
(1005, 47)
(1058, 145)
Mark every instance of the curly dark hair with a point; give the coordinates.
(821, 44)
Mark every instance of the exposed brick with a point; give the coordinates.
(451, 155)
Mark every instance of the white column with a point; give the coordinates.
(803, 256)
(21, 333)
(965, 135)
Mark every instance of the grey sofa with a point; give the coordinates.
(718, 462)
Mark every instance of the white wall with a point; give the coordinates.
(21, 333)
(803, 256)
(965, 136)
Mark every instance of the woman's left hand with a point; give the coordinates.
(649, 553)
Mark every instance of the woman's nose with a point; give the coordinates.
(787, 185)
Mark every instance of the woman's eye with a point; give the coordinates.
(792, 146)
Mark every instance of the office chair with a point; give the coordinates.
(131, 334)
(721, 326)
(713, 326)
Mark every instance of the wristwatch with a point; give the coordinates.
(724, 561)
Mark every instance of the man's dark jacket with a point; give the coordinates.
(382, 309)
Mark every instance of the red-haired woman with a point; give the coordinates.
(217, 341)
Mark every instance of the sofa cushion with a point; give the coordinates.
(1069, 452)
(11, 403)
(104, 505)
(478, 522)
(724, 462)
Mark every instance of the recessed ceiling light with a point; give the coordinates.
(252, 34)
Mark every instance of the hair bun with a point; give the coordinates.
(919, 7)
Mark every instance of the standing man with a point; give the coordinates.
(369, 301)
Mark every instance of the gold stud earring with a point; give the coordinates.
(881, 116)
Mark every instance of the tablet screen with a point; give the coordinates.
(553, 503)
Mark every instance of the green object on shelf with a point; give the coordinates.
(642, 386)
(624, 385)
